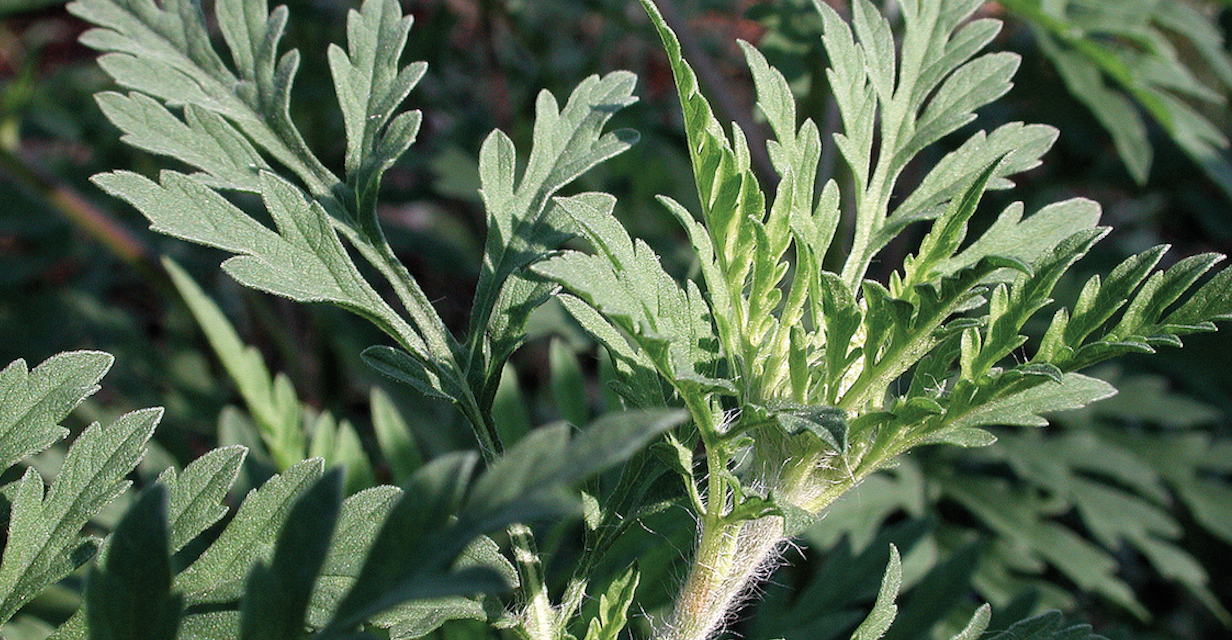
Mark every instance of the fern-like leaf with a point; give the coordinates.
(34, 402)
(45, 541)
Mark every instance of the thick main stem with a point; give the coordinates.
(731, 558)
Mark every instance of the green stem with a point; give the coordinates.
(734, 555)
(540, 620)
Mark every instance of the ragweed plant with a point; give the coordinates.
(799, 372)
(802, 379)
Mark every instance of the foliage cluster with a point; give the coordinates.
(848, 306)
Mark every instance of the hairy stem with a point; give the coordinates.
(731, 558)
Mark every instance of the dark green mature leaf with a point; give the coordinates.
(637, 382)
(403, 367)
(568, 383)
(530, 475)
(196, 493)
(1121, 60)
(32, 403)
(362, 516)
(277, 595)
(218, 573)
(44, 538)
(1047, 626)
(827, 424)
(1021, 519)
(202, 139)
(412, 555)
(165, 52)
(130, 597)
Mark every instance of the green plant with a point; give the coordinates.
(1128, 63)
(798, 378)
(1124, 467)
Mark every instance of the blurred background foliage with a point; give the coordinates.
(1121, 515)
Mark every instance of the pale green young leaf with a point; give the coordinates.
(976, 626)
(1098, 302)
(796, 152)
(745, 246)
(525, 224)
(1024, 408)
(934, 89)
(973, 85)
(626, 283)
(130, 598)
(1019, 146)
(898, 333)
(884, 609)
(877, 40)
(32, 403)
(195, 494)
(1161, 290)
(45, 543)
(1213, 301)
(1027, 239)
(277, 414)
(217, 575)
(202, 139)
(277, 595)
(165, 52)
(947, 232)
(371, 83)
(715, 167)
(394, 436)
(1009, 312)
(614, 607)
(303, 260)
